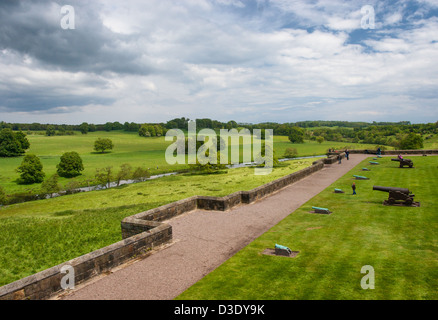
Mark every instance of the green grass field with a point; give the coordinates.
(128, 148)
(400, 243)
(40, 234)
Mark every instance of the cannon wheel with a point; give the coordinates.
(391, 201)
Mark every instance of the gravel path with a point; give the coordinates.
(203, 240)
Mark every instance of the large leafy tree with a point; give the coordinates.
(411, 141)
(101, 145)
(12, 144)
(296, 135)
(31, 170)
(50, 131)
(84, 128)
(70, 165)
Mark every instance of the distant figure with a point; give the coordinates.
(339, 158)
(354, 188)
(379, 151)
(347, 154)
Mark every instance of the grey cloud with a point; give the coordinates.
(33, 29)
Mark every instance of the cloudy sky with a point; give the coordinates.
(243, 60)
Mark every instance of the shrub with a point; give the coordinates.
(51, 185)
(290, 153)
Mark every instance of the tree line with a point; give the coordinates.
(330, 130)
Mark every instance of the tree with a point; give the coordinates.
(51, 185)
(31, 170)
(320, 139)
(21, 138)
(108, 126)
(411, 141)
(104, 176)
(296, 135)
(124, 174)
(143, 131)
(70, 165)
(12, 144)
(50, 131)
(100, 145)
(84, 128)
(140, 174)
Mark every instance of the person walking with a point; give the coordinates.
(339, 158)
(354, 188)
(347, 154)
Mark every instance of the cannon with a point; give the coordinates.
(321, 210)
(361, 177)
(282, 250)
(404, 162)
(398, 196)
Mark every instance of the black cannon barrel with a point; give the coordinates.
(396, 159)
(388, 189)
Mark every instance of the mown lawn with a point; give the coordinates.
(400, 243)
(40, 234)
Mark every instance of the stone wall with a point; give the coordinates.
(395, 152)
(44, 284)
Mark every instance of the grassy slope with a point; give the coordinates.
(40, 234)
(400, 243)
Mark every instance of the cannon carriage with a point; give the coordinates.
(404, 162)
(398, 196)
